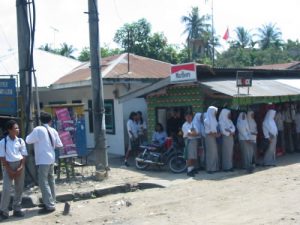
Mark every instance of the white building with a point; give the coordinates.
(121, 74)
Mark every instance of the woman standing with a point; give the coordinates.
(198, 121)
(245, 142)
(142, 127)
(132, 130)
(253, 130)
(12, 154)
(270, 132)
(210, 126)
(227, 130)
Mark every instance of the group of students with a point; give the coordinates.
(13, 154)
(217, 138)
(136, 128)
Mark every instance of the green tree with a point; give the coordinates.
(134, 37)
(293, 49)
(84, 55)
(67, 50)
(244, 38)
(269, 35)
(197, 30)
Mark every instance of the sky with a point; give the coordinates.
(61, 21)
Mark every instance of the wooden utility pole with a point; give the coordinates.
(24, 43)
(101, 161)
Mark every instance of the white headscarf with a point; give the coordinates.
(210, 121)
(243, 127)
(226, 125)
(251, 122)
(198, 123)
(269, 125)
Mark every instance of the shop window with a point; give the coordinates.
(109, 116)
(76, 101)
(57, 102)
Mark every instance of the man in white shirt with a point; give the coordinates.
(12, 154)
(45, 140)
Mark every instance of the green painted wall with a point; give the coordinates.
(174, 96)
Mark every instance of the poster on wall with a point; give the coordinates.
(66, 130)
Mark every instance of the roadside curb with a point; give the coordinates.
(33, 200)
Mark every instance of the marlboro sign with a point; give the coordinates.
(183, 73)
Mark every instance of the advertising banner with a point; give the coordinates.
(8, 97)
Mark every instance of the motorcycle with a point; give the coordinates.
(171, 156)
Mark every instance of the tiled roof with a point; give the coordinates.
(117, 67)
(281, 66)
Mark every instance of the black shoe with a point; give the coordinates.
(41, 205)
(190, 174)
(46, 211)
(126, 164)
(195, 171)
(18, 214)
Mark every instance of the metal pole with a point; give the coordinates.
(101, 161)
(213, 35)
(24, 41)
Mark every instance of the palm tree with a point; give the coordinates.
(196, 27)
(244, 38)
(66, 50)
(269, 35)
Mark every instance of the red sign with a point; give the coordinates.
(183, 73)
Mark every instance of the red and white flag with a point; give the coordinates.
(226, 35)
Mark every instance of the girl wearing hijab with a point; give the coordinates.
(227, 130)
(270, 132)
(253, 130)
(245, 141)
(211, 133)
(198, 122)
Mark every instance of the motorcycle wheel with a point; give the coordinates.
(140, 165)
(177, 164)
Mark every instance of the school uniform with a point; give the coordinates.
(227, 130)
(198, 122)
(13, 151)
(270, 132)
(246, 144)
(253, 133)
(132, 129)
(191, 142)
(45, 140)
(210, 127)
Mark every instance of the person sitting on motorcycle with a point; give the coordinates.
(159, 136)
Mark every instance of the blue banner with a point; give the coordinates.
(8, 97)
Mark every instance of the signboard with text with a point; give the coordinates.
(244, 78)
(183, 73)
(8, 97)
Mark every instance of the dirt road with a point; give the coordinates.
(268, 196)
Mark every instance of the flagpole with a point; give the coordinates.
(213, 36)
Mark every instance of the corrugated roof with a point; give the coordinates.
(280, 66)
(49, 67)
(117, 67)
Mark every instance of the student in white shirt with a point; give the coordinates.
(227, 130)
(132, 129)
(12, 154)
(45, 140)
(142, 128)
(190, 134)
(245, 141)
(270, 132)
(211, 134)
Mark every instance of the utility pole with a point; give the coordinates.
(24, 41)
(100, 151)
